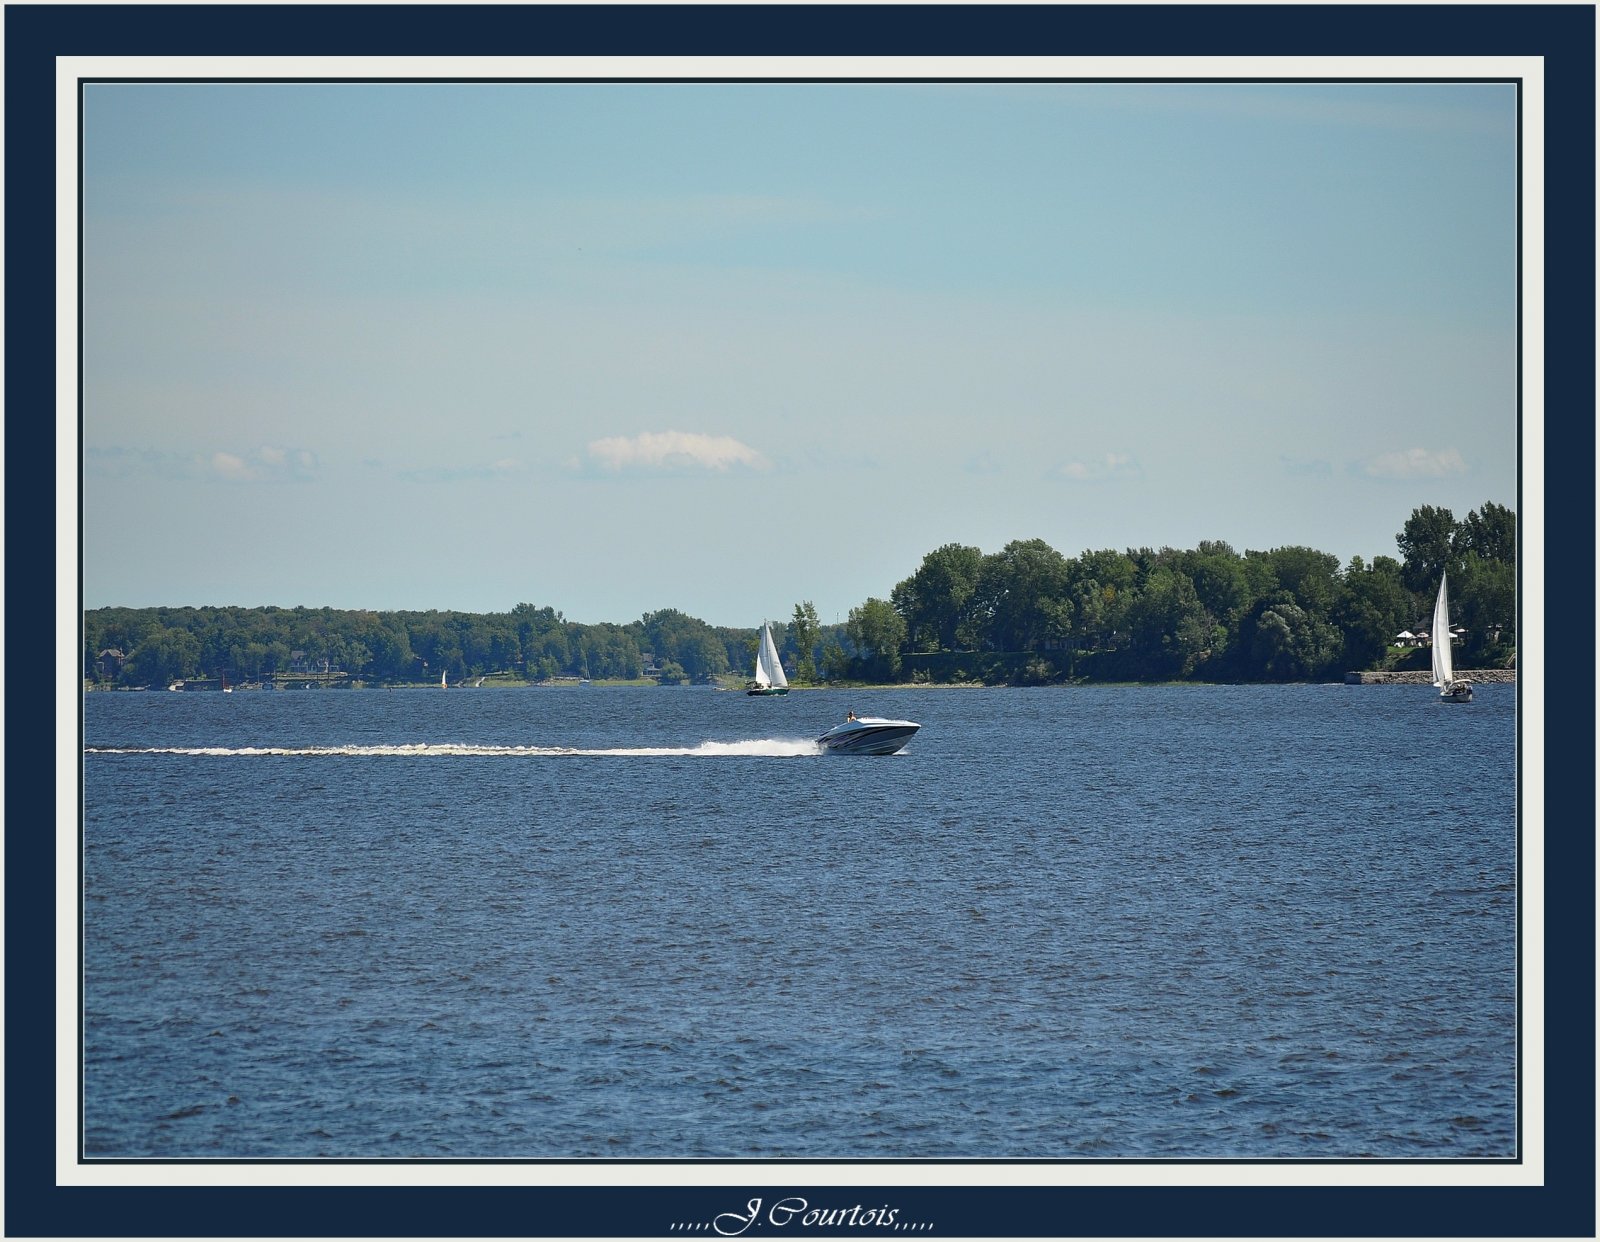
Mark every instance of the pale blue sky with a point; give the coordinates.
(619, 347)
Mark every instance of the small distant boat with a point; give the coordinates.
(1451, 688)
(868, 735)
(769, 678)
(444, 680)
(226, 688)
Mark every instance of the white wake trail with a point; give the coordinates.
(775, 748)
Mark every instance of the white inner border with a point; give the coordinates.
(1530, 690)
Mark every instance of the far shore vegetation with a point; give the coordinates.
(1025, 615)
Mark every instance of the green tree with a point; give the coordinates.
(1483, 600)
(1219, 577)
(248, 660)
(677, 638)
(1491, 533)
(1310, 577)
(835, 663)
(607, 650)
(805, 631)
(934, 601)
(1373, 606)
(543, 640)
(878, 632)
(1169, 630)
(1426, 544)
(391, 657)
(1102, 589)
(1023, 597)
(1289, 643)
(162, 657)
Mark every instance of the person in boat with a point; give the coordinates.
(849, 716)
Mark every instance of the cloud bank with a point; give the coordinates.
(1111, 466)
(673, 450)
(268, 464)
(1415, 463)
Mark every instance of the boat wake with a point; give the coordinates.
(776, 748)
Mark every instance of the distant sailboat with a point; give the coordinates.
(1451, 688)
(444, 680)
(769, 678)
(226, 688)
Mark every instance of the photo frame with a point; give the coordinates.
(38, 1204)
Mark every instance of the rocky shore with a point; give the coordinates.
(1480, 676)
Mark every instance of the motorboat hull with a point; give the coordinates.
(868, 736)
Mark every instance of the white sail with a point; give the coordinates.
(1443, 664)
(769, 670)
(774, 665)
(762, 678)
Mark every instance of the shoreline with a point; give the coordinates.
(1421, 677)
(1484, 676)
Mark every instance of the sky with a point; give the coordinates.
(617, 347)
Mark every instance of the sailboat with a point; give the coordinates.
(1451, 688)
(444, 680)
(769, 678)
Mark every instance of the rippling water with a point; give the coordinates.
(1181, 921)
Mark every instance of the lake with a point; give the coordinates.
(1265, 922)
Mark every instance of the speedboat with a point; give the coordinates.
(868, 735)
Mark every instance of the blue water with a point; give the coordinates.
(1179, 921)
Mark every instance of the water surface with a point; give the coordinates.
(1120, 922)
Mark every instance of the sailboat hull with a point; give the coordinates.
(769, 690)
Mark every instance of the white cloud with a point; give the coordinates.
(1415, 463)
(673, 450)
(263, 465)
(229, 466)
(267, 464)
(1111, 466)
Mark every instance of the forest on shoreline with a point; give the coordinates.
(1023, 615)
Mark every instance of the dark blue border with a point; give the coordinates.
(1563, 34)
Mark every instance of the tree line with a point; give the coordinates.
(1208, 613)
(156, 646)
(1026, 613)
